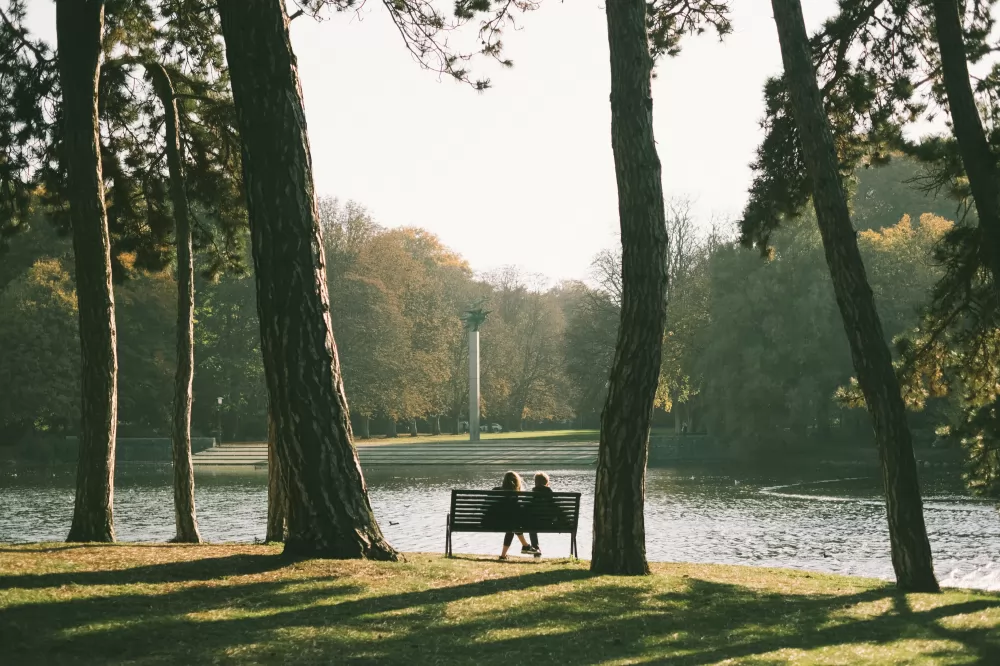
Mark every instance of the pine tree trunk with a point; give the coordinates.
(911, 553)
(184, 507)
(413, 428)
(329, 513)
(276, 499)
(977, 157)
(79, 28)
(619, 528)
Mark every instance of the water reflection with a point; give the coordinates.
(821, 519)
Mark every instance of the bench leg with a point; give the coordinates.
(447, 536)
(572, 547)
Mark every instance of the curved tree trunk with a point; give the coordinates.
(79, 28)
(911, 552)
(329, 514)
(184, 508)
(978, 159)
(619, 528)
(276, 498)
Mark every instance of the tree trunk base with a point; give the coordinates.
(186, 539)
(618, 567)
(92, 535)
(343, 549)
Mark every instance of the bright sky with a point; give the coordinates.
(523, 174)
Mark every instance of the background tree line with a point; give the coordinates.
(754, 355)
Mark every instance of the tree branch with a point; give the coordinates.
(20, 32)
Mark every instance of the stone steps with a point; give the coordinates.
(502, 452)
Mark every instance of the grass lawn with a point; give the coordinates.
(531, 435)
(164, 604)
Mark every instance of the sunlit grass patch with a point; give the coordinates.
(157, 604)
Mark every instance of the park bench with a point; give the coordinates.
(509, 511)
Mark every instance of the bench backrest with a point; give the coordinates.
(509, 511)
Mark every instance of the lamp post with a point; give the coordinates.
(473, 319)
(218, 428)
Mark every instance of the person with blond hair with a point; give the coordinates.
(509, 507)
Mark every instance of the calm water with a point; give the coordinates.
(825, 519)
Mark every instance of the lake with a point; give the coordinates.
(815, 517)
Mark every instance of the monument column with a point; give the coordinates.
(473, 385)
(473, 320)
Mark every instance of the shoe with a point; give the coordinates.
(530, 549)
(538, 554)
(503, 558)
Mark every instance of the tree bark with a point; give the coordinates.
(436, 425)
(390, 429)
(978, 159)
(413, 428)
(79, 30)
(619, 530)
(911, 553)
(366, 427)
(329, 513)
(184, 507)
(277, 501)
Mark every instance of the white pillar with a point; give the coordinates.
(473, 385)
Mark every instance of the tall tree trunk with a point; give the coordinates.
(79, 30)
(978, 159)
(277, 501)
(390, 428)
(619, 528)
(184, 508)
(329, 513)
(436, 425)
(366, 427)
(413, 428)
(911, 552)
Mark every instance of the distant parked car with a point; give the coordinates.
(492, 427)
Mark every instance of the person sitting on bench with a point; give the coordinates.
(545, 492)
(509, 507)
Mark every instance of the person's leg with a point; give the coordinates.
(521, 539)
(508, 539)
(534, 539)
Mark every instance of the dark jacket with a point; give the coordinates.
(545, 508)
(504, 510)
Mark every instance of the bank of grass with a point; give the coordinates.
(530, 435)
(164, 604)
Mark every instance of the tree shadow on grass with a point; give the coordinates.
(553, 614)
(52, 549)
(200, 569)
